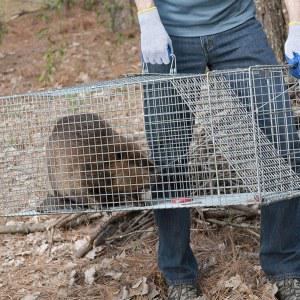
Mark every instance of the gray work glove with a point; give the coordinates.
(156, 45)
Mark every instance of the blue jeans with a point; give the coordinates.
(240, 47)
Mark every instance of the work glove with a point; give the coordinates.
(156, 45)
(292, 49)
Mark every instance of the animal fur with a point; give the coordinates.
(92, 166)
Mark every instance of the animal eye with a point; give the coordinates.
(119, 155)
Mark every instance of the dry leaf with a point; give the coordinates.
(233, 282)
(83, 77)
(122, 255)
(113, 274)
(154, 293)
(91, 254)
(124, 294)
(89, 275)
(74, 277)
(42, 249)
(79, 244)
(70, 266)
(138, 283)
(269, 291)
(33, 296)
(19, 262)
(94, 253)
(140, 288)
(105, 263)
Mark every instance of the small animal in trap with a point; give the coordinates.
(91, 166)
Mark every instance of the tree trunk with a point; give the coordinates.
(272, 14)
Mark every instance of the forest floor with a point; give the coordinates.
(47, 49)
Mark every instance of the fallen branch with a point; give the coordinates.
(228, 212)
(226, 223)
(83, 219)
(24, 228)
(247, 211)
(65, 221)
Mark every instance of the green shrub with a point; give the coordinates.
(3, 28)
(113, 8)
(59, 4)
(52, 57)
(90, 4)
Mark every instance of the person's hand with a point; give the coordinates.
(156, 44)
(292, 49)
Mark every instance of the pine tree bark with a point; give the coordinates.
(272, 14)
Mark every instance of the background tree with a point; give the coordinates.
(273, 15)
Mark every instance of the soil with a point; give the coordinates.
(83, 50)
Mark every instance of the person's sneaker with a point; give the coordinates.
(185, 292)
(288, 289)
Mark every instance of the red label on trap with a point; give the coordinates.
(181, 200)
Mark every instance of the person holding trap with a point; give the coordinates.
(217, 35)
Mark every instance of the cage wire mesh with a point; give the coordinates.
(152, 141)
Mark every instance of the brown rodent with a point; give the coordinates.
(92, 166)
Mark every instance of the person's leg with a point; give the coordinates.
(168, 125)
(246, 46)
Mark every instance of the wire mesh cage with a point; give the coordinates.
(152, 141)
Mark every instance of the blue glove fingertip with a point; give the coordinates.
(294, 60)
(290, 61)
(294, 64)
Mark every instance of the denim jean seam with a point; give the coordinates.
(203, 42)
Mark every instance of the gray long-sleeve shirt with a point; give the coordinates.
(203, 17)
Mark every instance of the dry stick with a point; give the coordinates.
(52, 229)
(82, 251)
(137, 220)
(64, 220)
(201, 222)
(102, 232)
(55, 223)
(226, 223)
(58, 223)
(111, 227)
(140, 221)
(85, 218)
(121, 236)
(139, 224)
(230, 211)
(253, 233)
(138, 229)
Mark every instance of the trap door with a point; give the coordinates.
(225, 104)
(278, 138)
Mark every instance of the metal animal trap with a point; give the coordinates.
(152, 141)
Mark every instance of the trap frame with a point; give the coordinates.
(152, 141)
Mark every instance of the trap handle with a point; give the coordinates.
(173, 64)
(173, 67)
